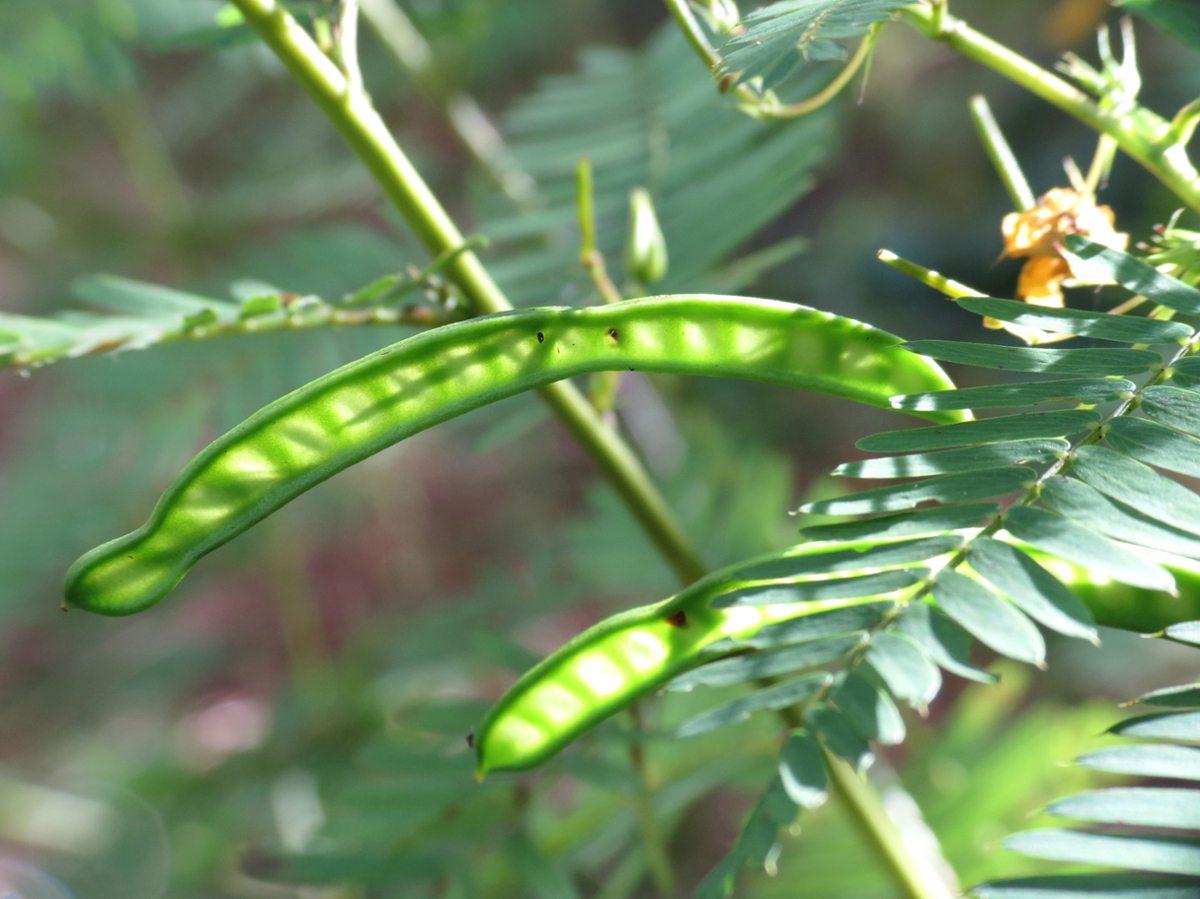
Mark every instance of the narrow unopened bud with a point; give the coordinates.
(646, 248)
(723, 15)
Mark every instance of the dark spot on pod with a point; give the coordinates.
(541, 337)
(612, 332)
(471, 740)
(679, 619)
(130, 557)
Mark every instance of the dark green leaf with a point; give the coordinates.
(1187, 373)
(802, 771)
(1109, 850)
(1099, 363)
(1031, 588)
(1100, 325)
(758, 836)
(740, 669)
(775, 697)
(839, 735)
(829, 561)
(849, 620)
(1154, 444)
(818, 591)
(950, 488)
(971, 458)
(1133, 274)
(1147, 806)
(1094, 510)
(1184, 697)
(118, 294)
(1147, 760)
(907, 524)
(1174, 407)
(1090, 886)
(988, 430)
(1059, 536)
(988, 618)
(869, 708)
(905, 668)
(943, 640)
(1179, 18)
(1139, 487)
(1163, 726)
(1089, 391)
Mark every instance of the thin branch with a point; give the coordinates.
(653, 843)
(1001, 154)
(354, 116)
(1140, 133)
(815, 102)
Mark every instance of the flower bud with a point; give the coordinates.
(646, 248)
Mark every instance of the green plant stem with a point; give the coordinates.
(819, 99)
(1141, 134)
(353, 115)
(865, 806)
(1001, 154)
(653, 845)
(691, 29)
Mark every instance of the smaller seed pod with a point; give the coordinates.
(646, 248)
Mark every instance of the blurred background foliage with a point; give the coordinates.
(292, 723)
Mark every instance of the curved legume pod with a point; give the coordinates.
(339, 419)
(623, 658)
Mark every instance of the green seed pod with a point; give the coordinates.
(645, 248)
(339, 419)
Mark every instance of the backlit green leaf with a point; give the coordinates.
(1100, 363)
(971, 458)
(744, 668)
(906, 524)
(1082, 323)
(829, 561)
(1104, 263)
(817, 591)
(988, 618)
(1147, 806)
(1031, 587)
(1089, 391)
(989, 430)
(1174, 407)
(950, 488)
(1139, 487)
(852, 619)
(1059, 536)
(1154, 444)
(1147, 760)
(778, 696)
(1163, 726)
(943, 640)
(1109, 850)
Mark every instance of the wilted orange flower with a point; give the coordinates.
(1039, 232)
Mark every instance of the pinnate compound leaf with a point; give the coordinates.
(1146, 760)
(1094, 510)
(1103, 263)
(1090, 391)
(1154, 444)
(802, 771)
(1187, 373)
(950, 488)
(849, 620)
(907, 524)
(1061, 537)
(1110, 850)
(1098, 363)
(774, 697)
(819, 591)
(759, 834)
(1090, 886)
(905, 668)
(868, 708)
(783, 33)
(942, 640)
(833, 559)
(988, 618)
(1139, 487)
(1183, 697)
(989, 430)
(1174, 407)
(971, 458)
(839, 735)
(1031, 588)
(740, 669)
(1183, 726)
(1147, 806)
(1184, 632)
(1082, 323)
